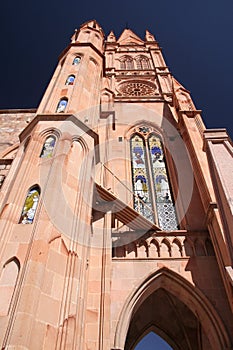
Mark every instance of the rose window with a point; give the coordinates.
(137, 89)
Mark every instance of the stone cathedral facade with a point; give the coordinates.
(115, 207)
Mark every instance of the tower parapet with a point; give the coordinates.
(90, 32)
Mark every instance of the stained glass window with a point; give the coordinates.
(163, 196)
(70, 80)
(48, 147)
(142, 198)
(149, 171)
(30, 205)
(62, 105)
(76, 60)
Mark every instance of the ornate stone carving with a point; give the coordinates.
(137, 89)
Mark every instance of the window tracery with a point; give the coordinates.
(137, 89)
(127, 63)
(150, 179)
(142, 62)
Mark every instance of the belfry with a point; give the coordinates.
(115, 207)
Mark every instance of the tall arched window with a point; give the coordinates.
(76, 61)
(126, 63)
(48, 147)
(152, 191)
(141, 185)
(142, 62)
(30, 205)
(70, 80)
(62, 105)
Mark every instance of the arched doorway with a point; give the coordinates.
(169, 318)
(173, 308)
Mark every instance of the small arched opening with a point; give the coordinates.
(152, 341)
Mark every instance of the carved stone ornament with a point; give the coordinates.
(137, 89)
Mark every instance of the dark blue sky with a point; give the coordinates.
(196, 37)
(152, 342)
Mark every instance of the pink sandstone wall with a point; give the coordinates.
(12, 122)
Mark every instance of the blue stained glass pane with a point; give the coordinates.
(142, 199)
(70, 80)
(158, 172)
(164, 202)
(76, 60)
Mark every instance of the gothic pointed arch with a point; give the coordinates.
(142, 62)
(151, 337)
(8, 280)
(183, 296)
(126, 62)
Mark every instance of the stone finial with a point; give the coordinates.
(111, 37)
(74, 36)
(149, 36)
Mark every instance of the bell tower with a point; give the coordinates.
(114, 210)
(76, 82)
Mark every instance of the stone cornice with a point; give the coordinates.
(215, 136)
(77, 44)
(18, 110)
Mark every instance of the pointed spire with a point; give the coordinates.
(111, 37)
(149, 36)
(92, 24)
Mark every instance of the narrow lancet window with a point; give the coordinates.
(62, 105)
(142, 197)
(163, 196)
(152, 193)
(48, 147)
(8, 280)
(30, 205)
(70, 80)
